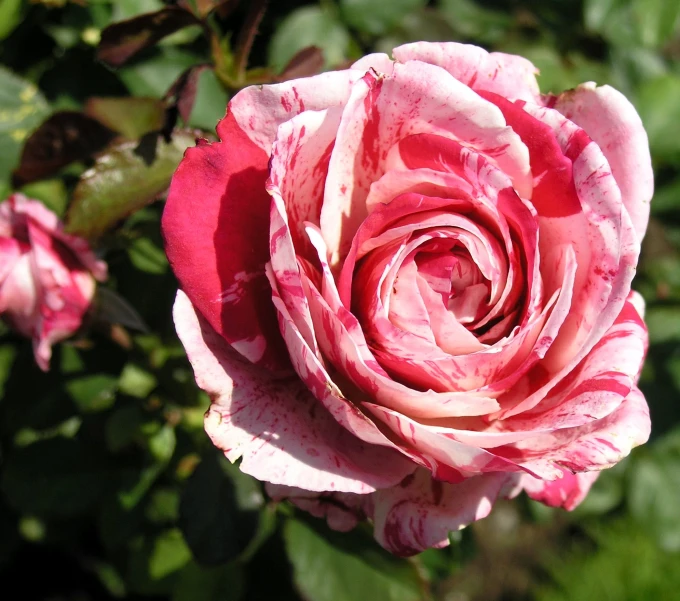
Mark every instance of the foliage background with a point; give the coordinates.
(110, 490)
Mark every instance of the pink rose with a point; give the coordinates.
(46, 276)
(407, 287)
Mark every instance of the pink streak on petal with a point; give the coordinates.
(504, 74)
(421, 511)
(612, 122)
(281, 432)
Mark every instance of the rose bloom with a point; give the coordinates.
(47, 277)
(406, 287)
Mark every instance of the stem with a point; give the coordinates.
(246, 37)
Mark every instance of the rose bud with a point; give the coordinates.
(47, 277)
(406, 287)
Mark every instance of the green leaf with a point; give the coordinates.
(666, 198)
(163, 506)
(309, 26)
(124, 179)
(154, 564)
(470, 20)
(626, 565)
(147, 257)
(335, 568)
(170, 553)
(199, 583)
(131, 117)
(123, 427)
(162, 444)
(377, 17)
(55, 477)
(22, 109)
(154, 76)
(650, 23)
(52, 192)
(137, 382)
(214, 524)
(211, 102)
(10, 16)
(654, 490)
(660, 112)
(93, 393)
(663, 324)
(7, 354)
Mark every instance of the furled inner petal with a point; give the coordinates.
(415, 98)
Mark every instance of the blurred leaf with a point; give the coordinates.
(93, 392)
(654, 490)
(663, 323)
(127, 9)
(170, 553)
(111, 307)
(470, 20)
(666, 198)
(163, 506)
(122, 40)
(202, 8)
(123, 427)
(22, 108)
(422, 25)
(210, 102)
(309, 26)
(125, 178)
(32, 529)
(627, 565)
(214, 525)
(109, 577)
(7, 354)
(182, 93)
(331, 568)
(147, 257)
(162, 444)
(199, 583)
(153, 76)
(138, 484)
(660, 112)
(376, 17)
(131, 117)
(54, 477)
(66, 137)
(154, 563)
(52, 193)
(557, 72)
(137, 382)
(305, 63)
(606, 494)
(650, 23)
(10, 16)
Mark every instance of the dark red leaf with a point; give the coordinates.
(65, 137)
(182, 93)
(121, 41)
(306, 62)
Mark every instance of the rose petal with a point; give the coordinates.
(508, 75)
(566, 492)
(416, 98)
(421, 511)
(281, 432)
(215, 243)
(260, 110)
(613, 123)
